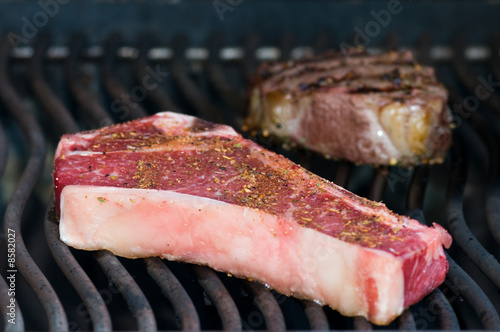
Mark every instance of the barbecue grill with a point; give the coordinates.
(68, 66)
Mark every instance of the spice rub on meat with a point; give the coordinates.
(380, 109)
(184, 189)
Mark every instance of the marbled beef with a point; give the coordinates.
(184, 189)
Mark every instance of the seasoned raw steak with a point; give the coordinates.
(185, 189)
(380, 109)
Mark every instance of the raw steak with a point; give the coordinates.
(184, 189)
(379, 109)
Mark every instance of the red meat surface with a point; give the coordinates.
(184, 189)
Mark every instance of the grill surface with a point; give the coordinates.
(48, 89)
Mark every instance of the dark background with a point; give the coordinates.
(199, 19)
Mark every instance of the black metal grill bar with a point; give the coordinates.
(361, 324)
(493, 209)
(436, 301)
(466, 240)
(479, 124)
(94, 112)
(51, 104)
(122, 99)
(495, 49)
(475, 295)
(85, 288)
(162, 101)
(173, 290)
(286, 45)
(109, 262)
(457, 226)
(391, 41)
(64, 258)
(379, 183)
(230, 96)
(3, 150)
(316, 316)
(203, 106)
(415, 197)
(207, 278)
(342, 173)
(494, 61)
(4, 289)
(423, 48)
(133, 295)
(461, 68)
(305, 159)
(406, 321)
(439, 304)
(249, 61)
(475, 118)
(216, 291)
(19, 199)
(268, 305)
(322, 42)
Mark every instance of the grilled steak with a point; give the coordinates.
(184, 189)
(382, 109)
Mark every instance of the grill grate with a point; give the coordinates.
(118, 84)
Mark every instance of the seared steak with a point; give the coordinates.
(381, 109)
(184, 189)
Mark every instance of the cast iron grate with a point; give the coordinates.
(49, 90)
